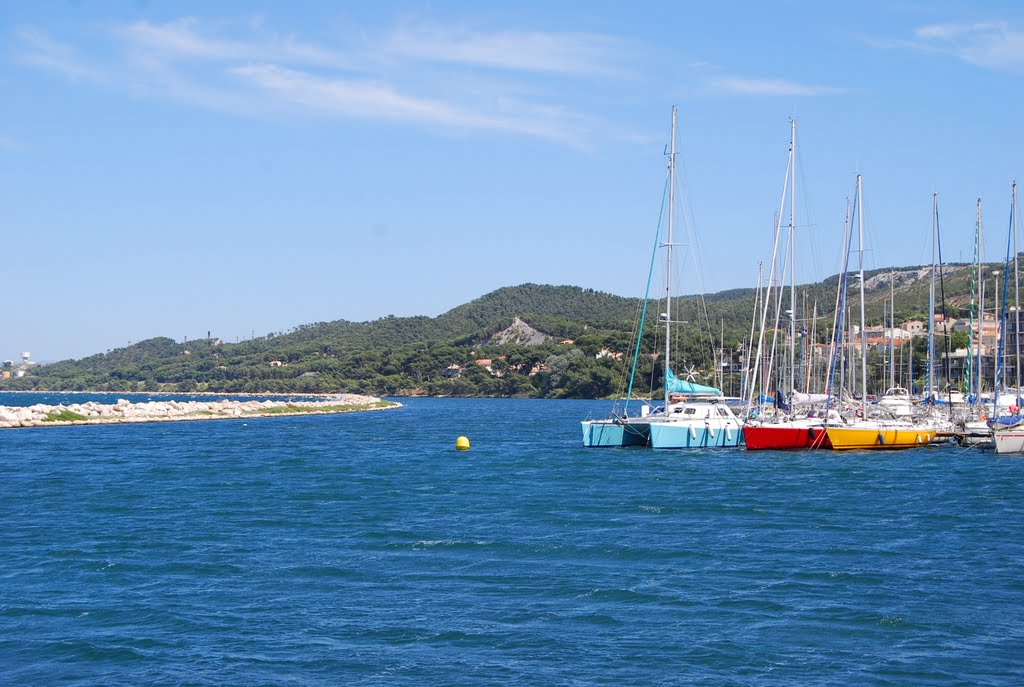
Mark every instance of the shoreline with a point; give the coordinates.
(126, 412)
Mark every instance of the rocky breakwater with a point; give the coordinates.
(41, 415)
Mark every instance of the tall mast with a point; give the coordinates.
(892, 329)
(1016, 292)
(770, 282)
(792, 254)
(863, 333)
(930, 376)
(668, 254)
(981, 311)
(997, 360)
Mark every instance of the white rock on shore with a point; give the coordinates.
(162, 411)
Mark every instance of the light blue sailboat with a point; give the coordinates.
(693, 415)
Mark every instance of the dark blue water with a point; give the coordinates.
(364, 550)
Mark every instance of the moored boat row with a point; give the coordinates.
(843, 418)
(702, 421)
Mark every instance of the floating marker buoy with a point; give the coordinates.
(462, 444)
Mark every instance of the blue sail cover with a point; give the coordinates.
(681, 386)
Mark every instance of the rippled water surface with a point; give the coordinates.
(364, 550)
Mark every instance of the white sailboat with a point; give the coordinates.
(869, 432)
(692, 415)
(972, 426)
(935, 412)
(1008, 431)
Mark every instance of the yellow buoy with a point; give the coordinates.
(462, 444)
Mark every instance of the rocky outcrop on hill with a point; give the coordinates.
(519, 333)
(904, 276)
(162, 411)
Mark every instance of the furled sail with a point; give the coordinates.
(797, 397)
(681, 386)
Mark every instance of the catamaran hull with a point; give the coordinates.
(614, 434)
(781, 438)
(863, 438)
(692, 435)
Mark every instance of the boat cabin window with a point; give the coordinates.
(723, 412)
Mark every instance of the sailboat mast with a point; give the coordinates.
(863, 333)
(892, 329)
(792, 256)
(1016, 291)
(668, 254)
(981, 310)
(771, 281)
(930, 377)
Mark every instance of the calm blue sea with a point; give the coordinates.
(364, 550)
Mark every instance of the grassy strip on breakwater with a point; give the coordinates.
(64, 415)
(292, 409)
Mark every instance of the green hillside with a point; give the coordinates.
(585, 352)
(392, 355)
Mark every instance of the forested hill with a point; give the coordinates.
(527, 340)
(391, 355)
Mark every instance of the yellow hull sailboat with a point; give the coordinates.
(869, 433)
(879, 435)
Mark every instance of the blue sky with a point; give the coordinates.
(174, 168)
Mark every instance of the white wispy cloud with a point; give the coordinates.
(990, 44)
(40, 50)
(769, 87)
(369, 99)
(564, 53)
(185, 39)
(717, 79)
(423, 73)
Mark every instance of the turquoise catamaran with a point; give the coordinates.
(692, 415)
